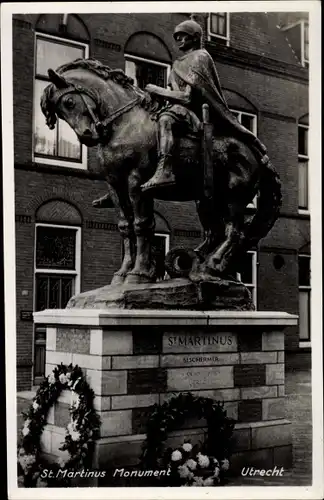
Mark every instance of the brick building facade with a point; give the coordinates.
(262, 63)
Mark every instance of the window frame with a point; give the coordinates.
(302, 23)
(254, 284)
(211, 35)
(254, 202)
(308, 288)
(69, 272)
(304, 158)
(132, 58)
(56, 160)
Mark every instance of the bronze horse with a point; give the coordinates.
(104, 109)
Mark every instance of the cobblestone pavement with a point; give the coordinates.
(298, 411)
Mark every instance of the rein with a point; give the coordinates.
(99, 125)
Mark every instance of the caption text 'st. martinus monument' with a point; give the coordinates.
(181, 143)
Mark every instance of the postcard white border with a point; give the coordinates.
(314, 8)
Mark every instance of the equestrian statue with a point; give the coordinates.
(180, 143)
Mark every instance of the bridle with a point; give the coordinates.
(100, 125)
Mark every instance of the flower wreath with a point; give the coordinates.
(172, 414)
(81, 432)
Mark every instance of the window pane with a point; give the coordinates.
(44, 138)
(304, 314)
(303, 141)
(52, 54)
(303, 184)
(246, 269)
(150, 73)
(247, 121)
(68, 146)
(304, 271)
(55, 248)
(41, 293)
(66, 290)
(54, 293)
(218, 23)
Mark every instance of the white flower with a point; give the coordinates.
(77, 402)
(61, 462)
(71, 426)
(209, 481)
(198, 481)
(203, 460)
(216, 462)
(192, 464)
(63, 379)
(75, 435)
(176, 455)
(51, 378)
(187, 447)
(27, 461)
(68, 375)
(35, 405)
(40, 483)
(184, 472)
(225, 464)
(216, 471)
(25, 431)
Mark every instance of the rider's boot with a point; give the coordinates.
(163, 175)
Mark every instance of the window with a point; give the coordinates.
(298, 36)
(303, 202)
(249, 121)
(218, 26)
(144, 71)
(304, 282)
(59, 146)
(161, 246)
(248, 273)
(57, 277)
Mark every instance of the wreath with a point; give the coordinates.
(81, 432)
(172, 414)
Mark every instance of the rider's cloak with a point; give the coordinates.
(198, 70)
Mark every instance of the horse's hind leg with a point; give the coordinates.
(212, 224)
(221, 260)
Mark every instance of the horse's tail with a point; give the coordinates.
(268, 208)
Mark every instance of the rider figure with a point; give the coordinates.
(193, 81)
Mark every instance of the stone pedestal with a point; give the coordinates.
(135, 358)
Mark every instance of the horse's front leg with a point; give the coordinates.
(126, 228)
(144, 224)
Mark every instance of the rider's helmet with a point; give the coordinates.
(189, 27)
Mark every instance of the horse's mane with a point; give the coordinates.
(104, 72)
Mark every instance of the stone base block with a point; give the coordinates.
(179, 293)
(133, 359)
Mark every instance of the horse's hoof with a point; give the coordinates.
(118, 279)
(139, 278)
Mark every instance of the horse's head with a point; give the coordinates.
(74, 103)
